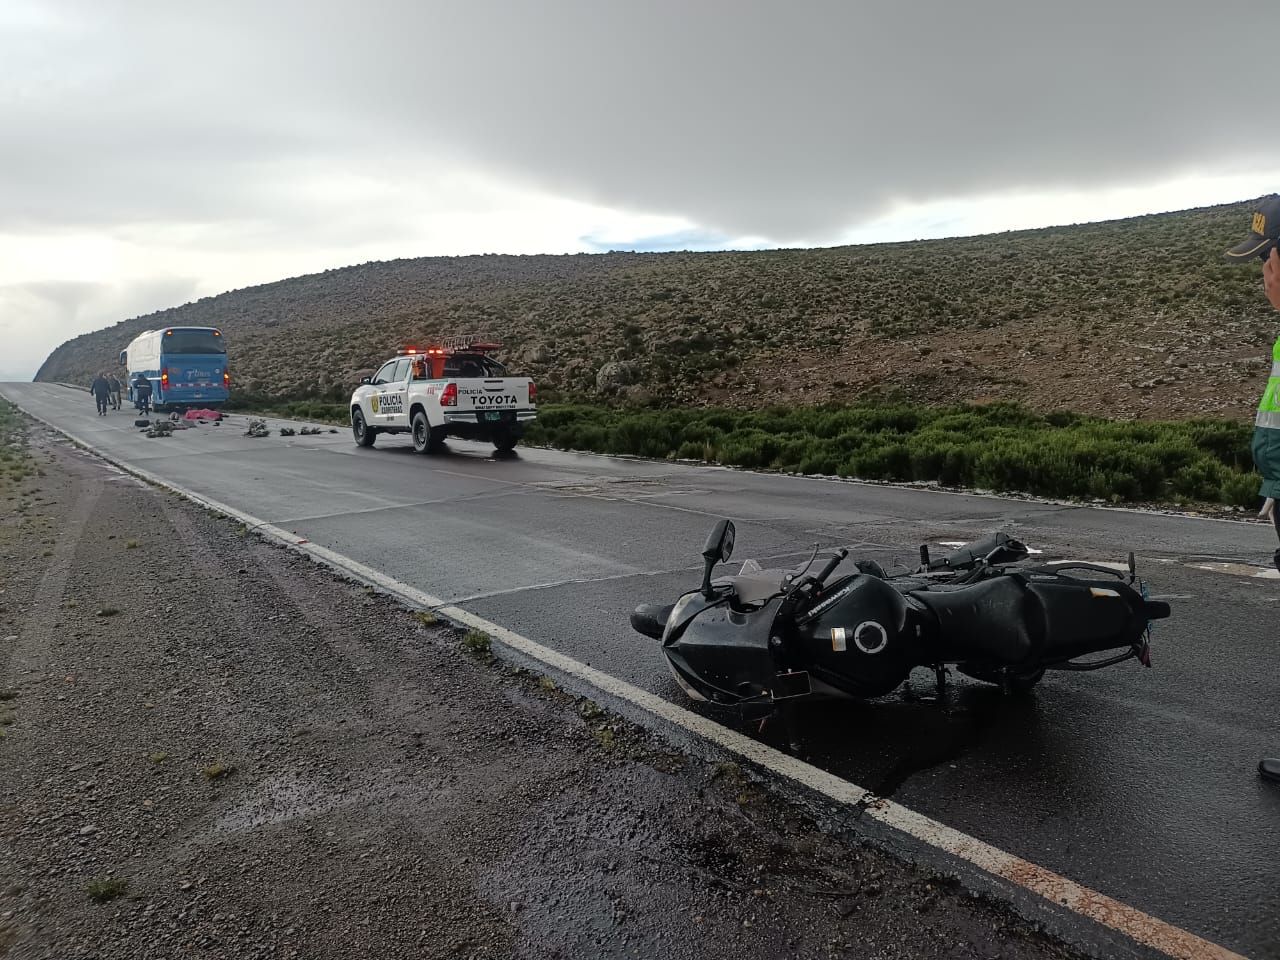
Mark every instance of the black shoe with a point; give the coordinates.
(1269, 769)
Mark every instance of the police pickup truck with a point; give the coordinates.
(456, 389)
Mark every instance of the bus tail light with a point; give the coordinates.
(226, 381)
(164, 378)
(533, 392)
(449, 396)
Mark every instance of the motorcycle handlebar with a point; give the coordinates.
(831, 565)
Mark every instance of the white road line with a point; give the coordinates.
(1133, 923)
(1109, 564)
(1239, 570)
(552, 584)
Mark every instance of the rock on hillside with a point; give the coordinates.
(1132, 317)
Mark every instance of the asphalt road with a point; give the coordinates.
(1138, 783)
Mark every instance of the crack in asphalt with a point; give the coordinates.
(348, 512)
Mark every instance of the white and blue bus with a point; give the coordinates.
(187, 366)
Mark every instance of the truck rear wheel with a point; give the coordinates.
(505, 441)
(364, 434)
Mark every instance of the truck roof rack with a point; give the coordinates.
(471, 343)
(449, 345)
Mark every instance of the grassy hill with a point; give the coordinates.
(1130, 318)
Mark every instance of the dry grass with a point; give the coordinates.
(100, 891)
(217, 770)
(476, 642)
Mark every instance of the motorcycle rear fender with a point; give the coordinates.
(1032, 621)
(1087, 616)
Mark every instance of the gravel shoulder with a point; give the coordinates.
(212, 747)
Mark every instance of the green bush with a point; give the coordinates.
(1001, 447)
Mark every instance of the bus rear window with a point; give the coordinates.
(192, 341)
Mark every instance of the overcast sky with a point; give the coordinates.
(156, 151)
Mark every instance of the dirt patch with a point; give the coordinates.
(255, 758)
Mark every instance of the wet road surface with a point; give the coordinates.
(1138, 783)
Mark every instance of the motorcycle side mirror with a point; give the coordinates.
(718, 549)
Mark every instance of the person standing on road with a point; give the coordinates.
(114, 382)
(1261, 242)
(142, 393)
(101, 390)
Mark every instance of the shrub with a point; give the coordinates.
(1000, 446)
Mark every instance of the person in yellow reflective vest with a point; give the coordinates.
(1261, 243)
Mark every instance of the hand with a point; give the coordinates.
(1268, 508)
(1271, 277)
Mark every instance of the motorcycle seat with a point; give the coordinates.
(997, 619)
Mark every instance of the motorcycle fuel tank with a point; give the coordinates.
(858, 636)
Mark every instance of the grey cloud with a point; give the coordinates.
(796, 120)
(36, 316)
(788, 121)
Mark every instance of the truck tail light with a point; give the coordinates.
(449, 396)
(533, 392)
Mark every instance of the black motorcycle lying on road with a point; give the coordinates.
(774, 635)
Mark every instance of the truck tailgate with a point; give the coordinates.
(484, 396)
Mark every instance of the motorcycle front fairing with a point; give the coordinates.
(718, 648)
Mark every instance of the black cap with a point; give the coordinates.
(1263, 236)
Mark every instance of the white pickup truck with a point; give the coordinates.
(453, 390)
